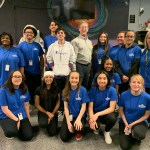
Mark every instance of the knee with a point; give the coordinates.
(64, 137)
(113, 118)
(137, 134)
(11, 133)
(52, 132)
(125, 146)
(27, 137)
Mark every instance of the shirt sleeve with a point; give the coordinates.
(27, 96)
(121, 101)
(85, 97)
(113, 94)
(21, 58)
(91, 95)
(3, 99)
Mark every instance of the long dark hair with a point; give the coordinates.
(106, 44)
(53, 89)
(107, 76)
(10, 86)
(67, 89)
(10, 37)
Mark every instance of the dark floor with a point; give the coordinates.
(90, 141)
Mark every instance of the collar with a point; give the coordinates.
(82, 37)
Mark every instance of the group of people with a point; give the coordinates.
(86, 82)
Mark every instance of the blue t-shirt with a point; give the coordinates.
(134, 106)
(145, 69)
(48, 40)
(126, 56)
(112, 53)
(114, 79)
(32, 52)
(77, 98)
(12, 57)
(101, 99)
(15, 102)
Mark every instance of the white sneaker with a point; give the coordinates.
(107, 137)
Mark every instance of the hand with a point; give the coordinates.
(127, 130)
(124, 78)
(18, 124)
(49, 120)
(94, 118)
(78, 124)
(70, 127)
(93, 126)
(50, 115)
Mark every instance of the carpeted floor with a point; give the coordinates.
(90, 141)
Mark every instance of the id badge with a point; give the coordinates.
(99, 61)
(30, 63)
(7, 68)
(20, 116)
(71, 117)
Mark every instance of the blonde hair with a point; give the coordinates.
(139, 78)
(145, 40)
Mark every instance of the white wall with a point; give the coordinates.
(134, 7)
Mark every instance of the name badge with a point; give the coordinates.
(7, 68)
(20, 116)
(30, 63)
(99, 61)
(71, 117)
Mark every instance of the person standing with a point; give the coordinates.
(33, 54)
(10, 57)
(134, 109)
(61, 58)
(127, 60)
(49, 39)
(14, 107)
(83, 50)
(145, 63)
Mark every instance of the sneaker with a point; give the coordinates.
(96, 131)
(107, 137)
(10, 138)
(78, 136)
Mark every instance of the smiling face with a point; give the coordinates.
(74, 79)
(102, 38)
(28, 33)
(129, 37)
(136, 84)
(60, 35)
(102, 81)
(5, 41)
(84, 28)
(53, 26)
(16, 79)
(48, 80)
(108, 65)
(120, 38)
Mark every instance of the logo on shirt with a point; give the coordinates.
(22, 96)
(35, 49)
(78, 98)
(107, 99)
(131, 54)
(142, 106)
(14, 55)
(112, 80)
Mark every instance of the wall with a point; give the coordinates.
(134, 7)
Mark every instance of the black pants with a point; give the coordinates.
(51, 127)
(84, 71)
(139, 133)
(61, 84)
(65, 134)
(32, 82)
(10, 129)
(109, 120)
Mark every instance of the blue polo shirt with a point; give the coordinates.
(126, 56)
(102, 99)
(77, 98)
(145, 70)
(134, 106)
(12, 57)
(15, 102)
(31, 51)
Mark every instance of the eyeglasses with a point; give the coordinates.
(29, 32)
(17, 77)
(128, 36)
